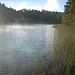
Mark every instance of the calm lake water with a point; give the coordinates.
(25, 49)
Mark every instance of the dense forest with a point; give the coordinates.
(9, 15)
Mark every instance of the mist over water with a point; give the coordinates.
(25, 48)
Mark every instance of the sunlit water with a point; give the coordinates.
(25, 47)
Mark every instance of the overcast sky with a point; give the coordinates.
(50, 5)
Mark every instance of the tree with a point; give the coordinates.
(69, 14)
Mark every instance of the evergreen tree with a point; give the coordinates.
(69, 14)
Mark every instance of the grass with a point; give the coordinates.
(64, 51)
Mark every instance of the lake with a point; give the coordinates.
(25, 49)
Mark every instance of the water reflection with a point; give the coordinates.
(23, 47)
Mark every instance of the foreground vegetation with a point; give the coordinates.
(64, 51)
(64, 44)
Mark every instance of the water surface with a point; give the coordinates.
(25, 48)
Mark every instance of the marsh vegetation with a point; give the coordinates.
(64, 51)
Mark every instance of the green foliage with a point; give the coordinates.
(69, 14)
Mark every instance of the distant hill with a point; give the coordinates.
(9, 15)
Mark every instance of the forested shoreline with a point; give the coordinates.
(10, 15)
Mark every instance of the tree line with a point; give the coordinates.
(10, 15)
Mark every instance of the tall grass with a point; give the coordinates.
(64, 51)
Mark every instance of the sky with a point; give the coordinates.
(49, 5)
